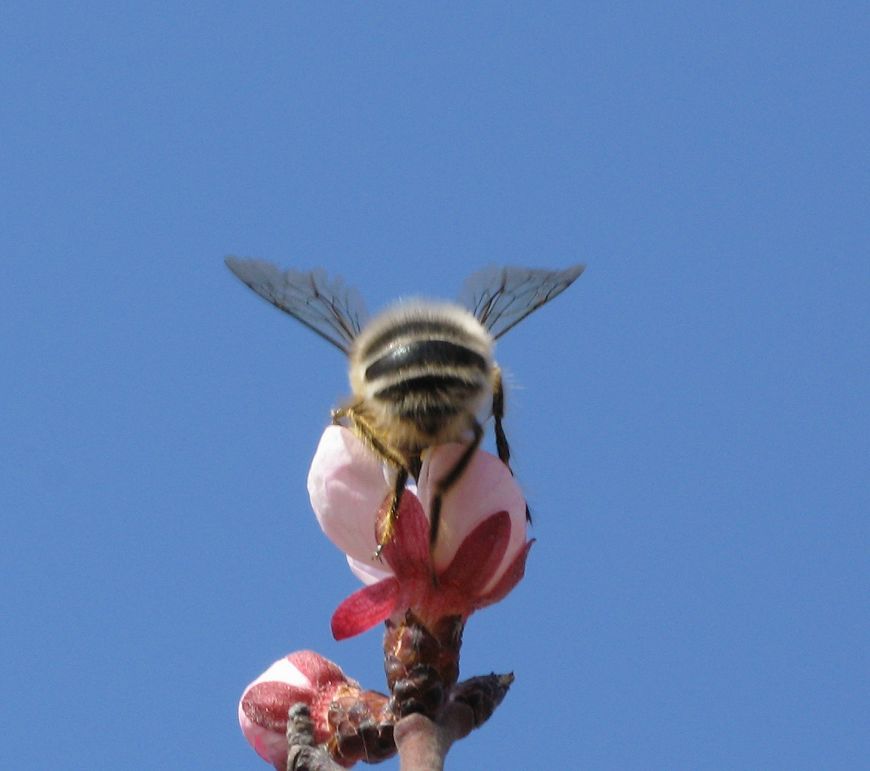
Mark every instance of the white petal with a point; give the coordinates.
(347, 486)
(283, 671)
(369, 571)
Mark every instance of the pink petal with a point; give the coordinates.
(486, 487)
(365, 608)
(347, 485)
(266, 703)
(303, 676)
(271, 745)
(407, 552)
(479, 556)
(510, 578)
(319, 670)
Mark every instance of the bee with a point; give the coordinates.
(422, 373)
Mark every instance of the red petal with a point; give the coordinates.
(365, 608)
(479, 556)
(316, 668)
(266, 704)
(510, 578)
(407, 553)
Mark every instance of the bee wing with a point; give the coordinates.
(502, 297)
(326, 306)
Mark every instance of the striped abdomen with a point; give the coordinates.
(422, 370)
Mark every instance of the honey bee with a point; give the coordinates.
(422, 373)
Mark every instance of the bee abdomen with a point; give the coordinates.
(426, 355)
(431, 401)
(412, 328)
(428, 383)
(439, 394)
(423, 371)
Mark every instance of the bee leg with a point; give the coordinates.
(364, 430)
(501, 442)
(386, 530)
(448, 480)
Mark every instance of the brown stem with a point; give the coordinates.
(423, 744)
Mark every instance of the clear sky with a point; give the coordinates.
(689, 420)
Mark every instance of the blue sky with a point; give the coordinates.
(689, 420)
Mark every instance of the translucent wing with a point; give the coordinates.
(324, 305)
(502, 297)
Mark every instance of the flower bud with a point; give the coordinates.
(350, 722)
(480, 553)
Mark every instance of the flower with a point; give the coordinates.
(481, 550)
(351, 722)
